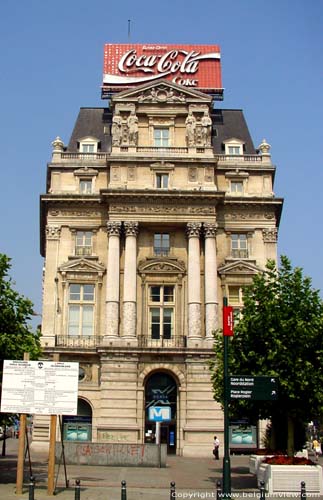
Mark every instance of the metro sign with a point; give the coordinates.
(197, 66)
(159, 413)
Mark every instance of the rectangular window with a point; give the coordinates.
(239, 246)
(236, 187)
(81, 310)
(161, 311)
(83, 243)
(88, 148)
(85, 186)
(234, 150)
(161, 137)
(161, 244)
(162, 181)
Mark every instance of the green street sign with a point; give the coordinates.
(254, 388)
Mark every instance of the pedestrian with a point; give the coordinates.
(316, 448)
(216, 445)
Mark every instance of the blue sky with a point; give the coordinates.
(51, 65)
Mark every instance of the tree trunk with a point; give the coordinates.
(290, 436)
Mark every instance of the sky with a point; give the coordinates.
(51, 65)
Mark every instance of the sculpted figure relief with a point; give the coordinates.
(190, 129)
(206, 129)
(116, 129)
(132, 123)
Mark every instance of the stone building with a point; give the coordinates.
(157, 208)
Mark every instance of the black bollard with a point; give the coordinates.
(123, 490)
(172, 491)
(262, 490)
(32, 488)
(303, 491)
(218, 490)
(77, 494)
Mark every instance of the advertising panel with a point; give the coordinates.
(192, 66)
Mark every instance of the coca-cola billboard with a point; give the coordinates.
(192, 66)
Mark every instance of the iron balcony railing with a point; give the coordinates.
(177, 341)
(83, 341)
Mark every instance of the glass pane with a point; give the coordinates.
(73, 320)
(243, 241)
(155, 323)
(75, 292)
(88, 292)
(168, 294)
(167, 323)
(155, 293)
(165, 181)
(87, 323)
(234, 295)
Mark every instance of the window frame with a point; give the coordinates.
(81, 304)
(159, 179)
(82, 248)
(162, 306)
(163, 250)
(241, 251)
(163, 141)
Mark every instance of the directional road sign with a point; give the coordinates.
(253, 388)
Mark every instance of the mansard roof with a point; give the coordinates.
(93, 122)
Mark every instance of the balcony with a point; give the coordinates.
(83, 251)
(178, 341)
(78, 341)
(239, 253)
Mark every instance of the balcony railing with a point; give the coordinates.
(239, 253)
(84, 156)
(239, 158)
(81, 251)
(83, 341)
(145, 341)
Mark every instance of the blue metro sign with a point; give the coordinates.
(159, 413)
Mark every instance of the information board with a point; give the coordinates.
(40, 387)
(250, 387)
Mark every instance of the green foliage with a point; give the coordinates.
(281, 335)
(16, 336)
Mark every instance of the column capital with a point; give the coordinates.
(131, 228)
(210, 229)
(193, 229)
(114, 228)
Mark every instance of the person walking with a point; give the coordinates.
(316, 448)
(216, 446)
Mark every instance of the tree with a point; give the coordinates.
(16, 336)
(280, 334)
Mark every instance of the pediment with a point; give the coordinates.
(239, 267)
(162, 91)
(162, 265)
(82, 266)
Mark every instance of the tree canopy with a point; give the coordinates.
(16, 335)
(280, 334)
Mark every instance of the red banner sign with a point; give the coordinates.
(193, 66)
(228, 321)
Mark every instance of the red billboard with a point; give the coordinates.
(192, 66)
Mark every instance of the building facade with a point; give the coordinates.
(158, 207)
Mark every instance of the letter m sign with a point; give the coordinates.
(159, 413)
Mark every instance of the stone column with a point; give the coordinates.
(130, 281)
(194, 281)
(210, 281)
(113, 280)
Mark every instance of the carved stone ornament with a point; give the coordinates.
(264, 148)
(161, 265)
(161, 94)
(210, 229)
(270, 235)
(114, 228)
(130, 228)
(58, 145)
(53, 232)
(193, 229)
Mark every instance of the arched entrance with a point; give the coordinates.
(161, 391)
(79, 427)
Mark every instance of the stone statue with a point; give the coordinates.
(206, 123)
(116, 129)
(190, 129)
(132, 123)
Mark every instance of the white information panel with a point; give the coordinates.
(40, 387)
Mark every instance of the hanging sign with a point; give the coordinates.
(228, 321)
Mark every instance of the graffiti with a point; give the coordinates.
(112, 449)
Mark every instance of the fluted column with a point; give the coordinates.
(210, 277)
(113, 279)
(130, 280)
(194, 281)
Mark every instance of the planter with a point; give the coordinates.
(287, 478)
(255, 461)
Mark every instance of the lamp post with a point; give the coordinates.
(227, 332)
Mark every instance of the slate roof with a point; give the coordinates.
(96, 122)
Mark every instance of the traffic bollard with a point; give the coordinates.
(123, 490)
(262, 490)
(77, 495)
(303, 491)
(172, 491)
(32, 488)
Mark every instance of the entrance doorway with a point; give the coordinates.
(161, 391)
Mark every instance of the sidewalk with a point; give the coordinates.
(195, 478)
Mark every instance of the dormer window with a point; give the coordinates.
(233, 147)
(88, 145)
